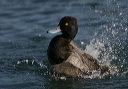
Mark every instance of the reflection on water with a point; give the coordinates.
(23, 41)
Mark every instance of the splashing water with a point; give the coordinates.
(32, 65)
(97, 50)
(109, 48)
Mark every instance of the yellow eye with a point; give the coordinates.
(66, 24)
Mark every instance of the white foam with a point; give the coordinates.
(97, 49)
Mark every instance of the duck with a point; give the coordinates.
(67, 59)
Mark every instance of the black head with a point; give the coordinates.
(69, 27)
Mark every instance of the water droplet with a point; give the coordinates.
(26, 61)
(18, 62)
(120, 14)
(82, 42)
(39, 35)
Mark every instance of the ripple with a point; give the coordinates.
(23, 40)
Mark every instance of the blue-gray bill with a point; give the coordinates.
(56, 30)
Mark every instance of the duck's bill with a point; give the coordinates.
(56, 30)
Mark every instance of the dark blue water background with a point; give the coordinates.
(103, 33)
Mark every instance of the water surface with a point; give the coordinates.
(103, 33)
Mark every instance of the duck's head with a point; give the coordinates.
(68, 26)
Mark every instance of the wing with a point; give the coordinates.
(88, 61)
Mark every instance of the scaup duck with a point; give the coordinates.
(66, 58)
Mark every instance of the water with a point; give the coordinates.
(103, 33)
